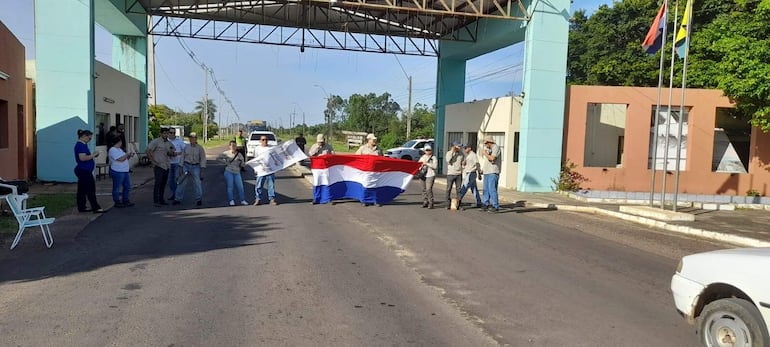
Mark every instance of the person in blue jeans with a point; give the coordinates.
(119, 171)
(262, 181)
(174, 161)
(491, 169)
(470, 172)
(234, 162)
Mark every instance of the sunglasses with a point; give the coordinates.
(263, 139)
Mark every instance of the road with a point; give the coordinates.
(343, 274)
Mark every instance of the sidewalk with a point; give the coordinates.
(740, 227)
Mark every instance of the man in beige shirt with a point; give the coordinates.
(370, 147)
(194, 159)
(158, 151)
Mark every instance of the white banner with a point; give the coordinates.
(276, 158)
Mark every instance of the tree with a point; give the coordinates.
(212, 110)
(731, 53)
(371, 112)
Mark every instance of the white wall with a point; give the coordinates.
(499, 115)
(117, 93)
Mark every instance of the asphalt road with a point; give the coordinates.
(343, 274)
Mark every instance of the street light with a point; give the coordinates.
(328, 110)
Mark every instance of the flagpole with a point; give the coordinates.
(657, 109)
(668, 114)
(681, 106)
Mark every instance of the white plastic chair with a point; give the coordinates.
(28, 218)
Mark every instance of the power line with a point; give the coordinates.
(210, 71)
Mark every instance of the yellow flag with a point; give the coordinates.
(684, 31)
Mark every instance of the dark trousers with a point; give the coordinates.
(161, 178)
(241, 150)
(457, 181)
(86, 190)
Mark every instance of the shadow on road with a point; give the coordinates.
(134, 236)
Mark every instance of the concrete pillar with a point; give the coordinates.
(64, 52)
(129, 56)
(542, 118)
(450, 89)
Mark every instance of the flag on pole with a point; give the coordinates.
(684, 30)
(366, 178)
(654, 39)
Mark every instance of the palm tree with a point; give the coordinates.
(212, 109)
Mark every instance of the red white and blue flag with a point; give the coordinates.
(654, 39)
(367, 178)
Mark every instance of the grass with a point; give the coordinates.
(215, 142)
(341, 147)
(56, 205)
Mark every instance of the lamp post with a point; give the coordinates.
(328, 111)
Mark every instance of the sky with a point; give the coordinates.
(267, 82)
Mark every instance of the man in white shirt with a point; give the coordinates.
(470, 171)
(268, 180)
(173, 171)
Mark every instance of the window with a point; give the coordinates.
(732, 138)
(516, 147)
(452, 137)
(605, 132)
(661, 161)
(473, 140)
(102, 121)
(5, 131)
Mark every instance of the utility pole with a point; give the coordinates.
(409, 112)
(205, 102)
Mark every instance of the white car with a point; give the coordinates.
(411, 150)
(726, 295)
(253, 141)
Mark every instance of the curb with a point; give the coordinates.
(682, 229)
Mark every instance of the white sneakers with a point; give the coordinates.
(243, 203)
(232, 203)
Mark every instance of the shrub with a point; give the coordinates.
(753, 192)
(569, 180)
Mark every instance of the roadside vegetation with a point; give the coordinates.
(56, 205)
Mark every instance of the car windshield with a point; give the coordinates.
(409, 144)
(255, 137)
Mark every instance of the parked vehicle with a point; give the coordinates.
(253, 141)
(411, 150)
(726, 295)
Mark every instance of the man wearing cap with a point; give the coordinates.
(491, 169)
(370, 147)
(174, 161)
(454, 170)
(268, 180)
(320, 147)
(429, 161)
(193, 160)
(158, 151)
(470, 170)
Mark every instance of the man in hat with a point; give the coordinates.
(454, 170)
(320, 147)
(370, 147)
(491, 169)
(193, 160)
(470, 170)
(158, 151)
(262, 181)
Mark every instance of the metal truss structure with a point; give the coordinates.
(384, 26)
